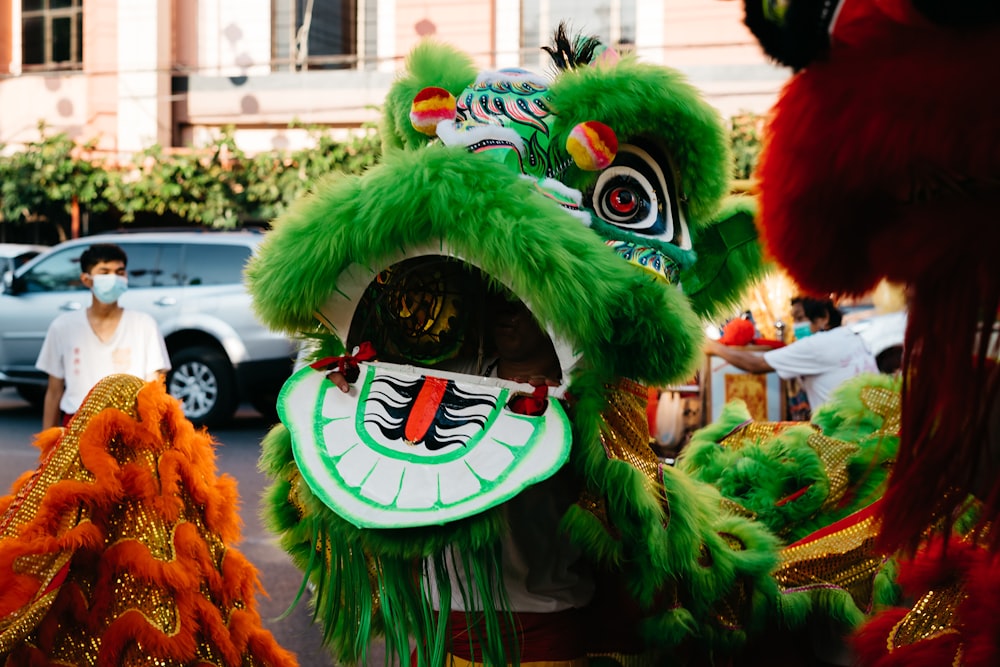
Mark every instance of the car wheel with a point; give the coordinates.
(202, 380)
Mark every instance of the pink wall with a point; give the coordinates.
(465, 24)
(693, 35)
(707, 32)
(100, 62)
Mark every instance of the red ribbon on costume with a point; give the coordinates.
(532, 404)
(347, 364)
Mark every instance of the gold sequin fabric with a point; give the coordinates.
(625, 437)
(952, 619)
(887, 404)
(835, 454)
(932, 616)
(755, 431)
(841, 556)
(114, 551)
(625, 433)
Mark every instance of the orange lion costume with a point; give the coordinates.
(114, 550)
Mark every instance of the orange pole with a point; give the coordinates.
(75, 218)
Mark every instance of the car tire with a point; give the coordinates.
(202, 379)
(266, 404)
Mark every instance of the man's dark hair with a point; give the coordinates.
(815, 308)
(101, 252)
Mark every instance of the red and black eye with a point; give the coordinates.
(636, 194)
(624, 201)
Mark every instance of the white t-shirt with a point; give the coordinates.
(542, 571)
(823, 361)
(73, 352)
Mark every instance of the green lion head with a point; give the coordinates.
(598, 198)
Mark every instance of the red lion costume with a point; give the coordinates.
(883, 160)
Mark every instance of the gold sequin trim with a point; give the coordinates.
(133, 594)
(885, 403)
(932, 616)
(834, 454)
(845, 559)
(730, 506)
(755, 432)
(625, 432)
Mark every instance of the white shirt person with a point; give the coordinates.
(822, 359)
(83, 347)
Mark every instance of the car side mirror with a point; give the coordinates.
(12, 284)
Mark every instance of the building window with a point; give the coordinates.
(314, 34)
(52, 34)
(613, 21)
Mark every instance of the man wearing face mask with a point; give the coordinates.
(81, 347)
(823, 355)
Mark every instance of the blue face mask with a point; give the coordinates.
(109, 287)
(801, 330)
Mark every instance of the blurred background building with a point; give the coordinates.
(131, 73)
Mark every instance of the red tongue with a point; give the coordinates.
(425, 408)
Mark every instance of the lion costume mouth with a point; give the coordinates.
(383, 457)
(429, 308)
(422, 436)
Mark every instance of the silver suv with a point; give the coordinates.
(192, 283)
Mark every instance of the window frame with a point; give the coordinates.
(48, 15)
(286, 23)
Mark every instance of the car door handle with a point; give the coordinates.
(71, 305)
(166, 301)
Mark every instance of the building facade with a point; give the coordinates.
(130, 73)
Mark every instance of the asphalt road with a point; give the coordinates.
(237, 452)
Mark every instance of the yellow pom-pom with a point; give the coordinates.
(592, 145)
(430, 107)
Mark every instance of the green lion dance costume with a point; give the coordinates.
(420, 502)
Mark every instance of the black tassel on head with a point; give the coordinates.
(569, 53)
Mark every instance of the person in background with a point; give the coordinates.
(82, 347)
(823, 355)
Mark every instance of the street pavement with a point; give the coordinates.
(238, 447)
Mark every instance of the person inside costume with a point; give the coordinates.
(822, 357)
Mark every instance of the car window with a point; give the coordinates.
(58, 272)
(206, 264)
(21, 259)
(153, 265)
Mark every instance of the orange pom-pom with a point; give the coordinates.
(738, 332)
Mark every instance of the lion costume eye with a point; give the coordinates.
(626, 201)
(637, 195)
